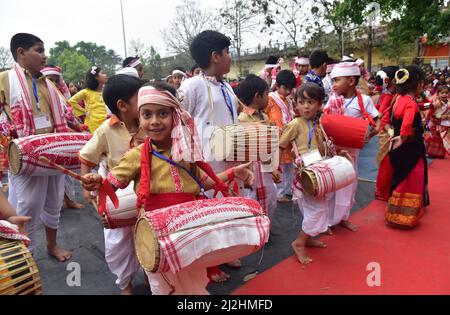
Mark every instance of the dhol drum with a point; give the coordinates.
(205, 232)
(126, 214)
(327, 176)
(19, 274)
(61, 148)
(245, 142)
(345, 131)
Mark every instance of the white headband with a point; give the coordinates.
(302, 61)
(179, 72)
(50, 72)
(132, 72)
(345, 69)
(359, 62)
(135, 63)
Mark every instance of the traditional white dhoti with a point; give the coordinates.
(285, 187)
(40, 197)
(120, 254)
(315, 212)
(69, 187)
(270, 191)
(188, 281)
(345, 198)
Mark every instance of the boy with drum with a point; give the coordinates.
(165, 173)
(349, 102)
(306, 134)
(108, 145)
(31, 105)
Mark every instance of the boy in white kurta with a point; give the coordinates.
(211, 101)
(345, 76)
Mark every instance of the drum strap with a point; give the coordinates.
(363, 110)
(172, 162)
(144, 185)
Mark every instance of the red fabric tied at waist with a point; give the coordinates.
(158, 201)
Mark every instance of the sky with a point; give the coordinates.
(97, 21)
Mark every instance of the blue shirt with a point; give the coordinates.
(311, 76)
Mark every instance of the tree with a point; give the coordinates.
(153, 65)
(407, 20)
(6, 59)
(238, 17)
(291, 18)
(74, 65)
(107, 59)
(190, 19)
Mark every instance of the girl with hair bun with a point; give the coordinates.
(409, 190)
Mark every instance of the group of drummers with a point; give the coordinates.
(186, 180)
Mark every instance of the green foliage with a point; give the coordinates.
(84, 55)
(153, 65)
(74, 65)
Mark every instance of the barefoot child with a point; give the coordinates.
(306, 133)
(254, 94)
(281, 112)
(109, 143)
(95, 108)
(171, 178)
(33, 106)
(349, 102)
(211, 101)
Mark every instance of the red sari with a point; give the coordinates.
(410, 173)
(385, 173)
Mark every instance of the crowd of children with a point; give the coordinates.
(141, 134)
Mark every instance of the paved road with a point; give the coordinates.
(82, 232)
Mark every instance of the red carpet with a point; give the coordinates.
(412, 262)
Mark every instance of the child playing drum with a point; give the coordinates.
(254, 93)
(349, 102)
(110, 142)
(168, 174)
(308, 138)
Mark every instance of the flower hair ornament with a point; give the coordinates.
(94, 70)
(405, 76)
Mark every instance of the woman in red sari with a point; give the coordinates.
(386, 80)
(409, 195)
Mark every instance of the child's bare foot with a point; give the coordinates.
(70, 204)
(315, 243)
(220, 277)
(59, 253)
(128, 290)
(328, 232)
(348, 225)
(235, 264)
(301, 254)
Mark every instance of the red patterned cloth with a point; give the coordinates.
(189, 231)
(10, 231)
(22, 109)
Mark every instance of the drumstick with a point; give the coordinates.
(65, 170)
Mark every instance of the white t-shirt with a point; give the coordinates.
(353, 109)
(206, 115)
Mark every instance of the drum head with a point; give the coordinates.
(14, 158)
(146, 244)
(309, 182)
(19, 274)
